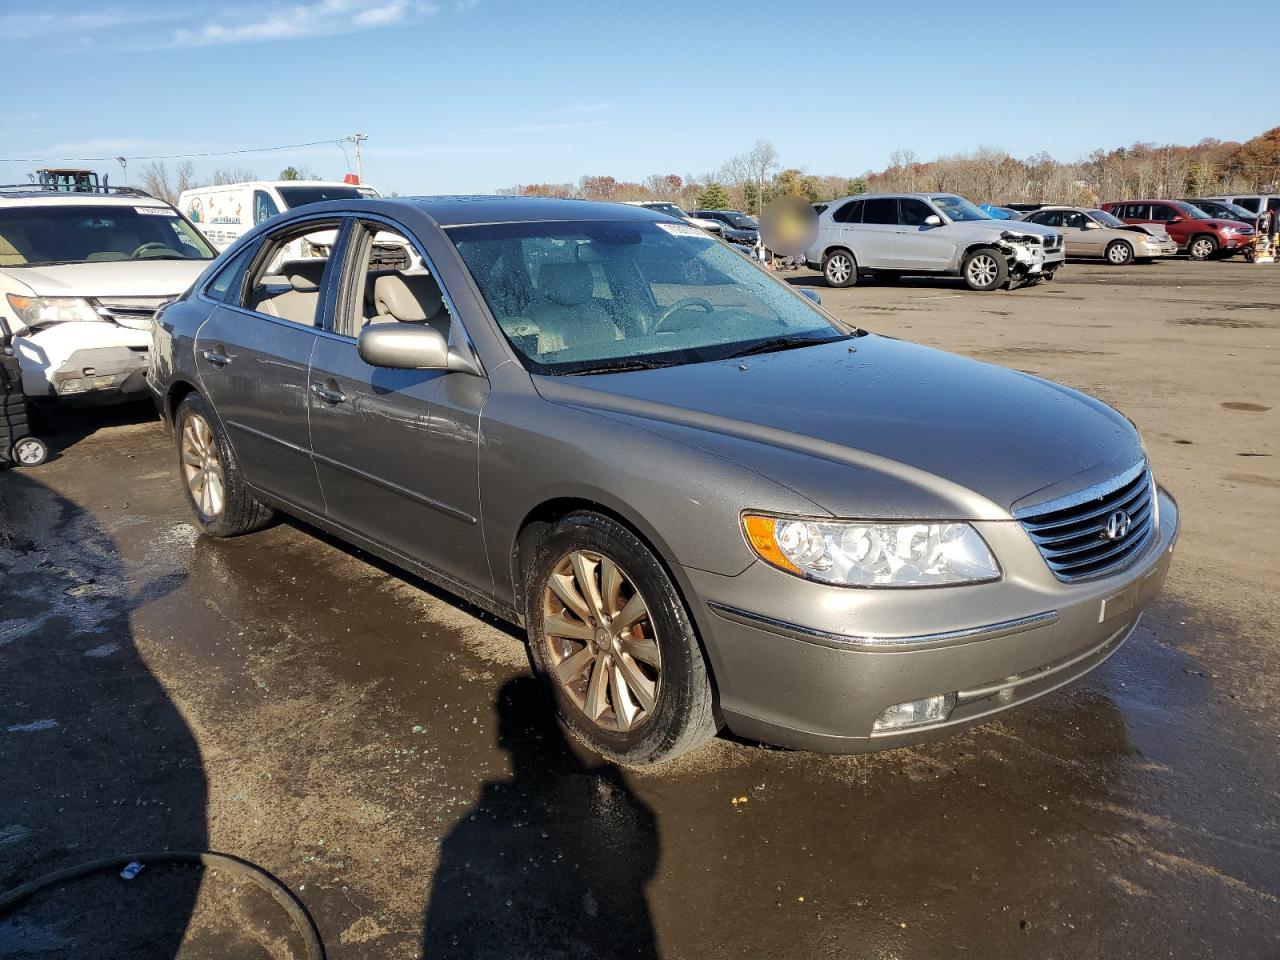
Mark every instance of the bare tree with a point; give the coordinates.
(761, 160)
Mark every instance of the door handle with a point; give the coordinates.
(217, 356)
(328, 394)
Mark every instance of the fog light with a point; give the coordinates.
(915, 713)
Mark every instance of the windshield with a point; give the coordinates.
(958, 208)
(1106, 219)
(589, 296)
(670, 209)
(314, 193)
(740, 221)
(82, 233)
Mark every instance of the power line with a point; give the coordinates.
(170, 156)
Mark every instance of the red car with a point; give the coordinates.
(1197, 234)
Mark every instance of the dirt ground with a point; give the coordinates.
(371, 742)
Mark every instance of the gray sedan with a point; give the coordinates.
(706, 500)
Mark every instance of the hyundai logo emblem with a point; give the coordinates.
(1117, 525)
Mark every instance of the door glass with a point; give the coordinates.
(290, 274)
(264, 208)
(1249, 203)
(227, 284)
(913, 212)
(1070, 218)
(391, 283)
(1161, 213)
(880, 210)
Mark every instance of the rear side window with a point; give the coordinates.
(289, 277)
(850, 213)
(264, 208)
(1049, 218)
(880, 210)
(227, 285)
(1249, 203)
(1137, 211)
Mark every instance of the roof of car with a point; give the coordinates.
(275, 183)
(36, 196)
(465, 210)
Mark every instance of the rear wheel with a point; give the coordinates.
(839, 269)
(985, 269)
(1119, 253)
(1202, 247)
(611, 636)
(210, 473)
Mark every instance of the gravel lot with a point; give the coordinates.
(370, 741)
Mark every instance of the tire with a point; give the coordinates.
(1202, 247)
(29, 452)
(984, 269)
(1250, 255)
(653, 706)
(221, 502)
(839, 268)
(1119, 253)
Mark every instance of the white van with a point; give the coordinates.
(224, 213)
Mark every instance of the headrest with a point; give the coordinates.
(304, 275)
(408, 297)
(568, 284)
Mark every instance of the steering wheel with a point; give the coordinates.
(150, 245)
(681, 305)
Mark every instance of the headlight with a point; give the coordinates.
(867, 554)
(42, 311)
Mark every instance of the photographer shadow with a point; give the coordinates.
(552, 862)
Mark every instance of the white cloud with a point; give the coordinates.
(24, 26)
(292, 21)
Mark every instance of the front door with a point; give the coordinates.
(253, 354)
(396, 450)
(919, 245)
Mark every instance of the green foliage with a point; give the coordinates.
(290, 173)
(713, 196)
(855, 186)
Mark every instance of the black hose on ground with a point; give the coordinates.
(280, 893)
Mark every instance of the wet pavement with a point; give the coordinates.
(374, 743)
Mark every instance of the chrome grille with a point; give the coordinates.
(1072, 532)
(133, 312)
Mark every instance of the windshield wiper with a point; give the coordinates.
(775, 344)
(620, 366)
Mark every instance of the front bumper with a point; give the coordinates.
(812, 666)
(1236, 242)
(100, 371)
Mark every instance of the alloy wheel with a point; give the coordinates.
(839, 268)
(600, 637)
(202, 466)
(1118, 254)
(983, 270)
(1201, 249)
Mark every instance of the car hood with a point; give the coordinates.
(135, 278)
(877, 427)
(1013, 226)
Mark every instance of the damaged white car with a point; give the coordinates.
(900, 234)
(81, 276)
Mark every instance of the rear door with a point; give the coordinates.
(873, 238)
(252, 355)
(397, 450)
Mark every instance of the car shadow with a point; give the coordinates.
(61, 427)
(553, 861)
(97, 760)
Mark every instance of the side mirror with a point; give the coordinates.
(811, 294)
(933, 220)
(1178, 218)
(1092, 225)
(407, 346)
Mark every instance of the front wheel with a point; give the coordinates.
(839, 269)
(611, 636)
(1119, 253)
(210, 473)
(29, 452)
(1202, 248)
(985, 269)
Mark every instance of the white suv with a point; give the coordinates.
(930, 233)
(81, 276)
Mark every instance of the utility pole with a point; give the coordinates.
(356, 138)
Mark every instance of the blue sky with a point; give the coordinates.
(471, 95)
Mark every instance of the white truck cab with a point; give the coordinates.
(81, 276)
(226, 212)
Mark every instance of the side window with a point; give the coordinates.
(389, 283)
(227, 284)
(913, 212)
(290, 272)
(1048, 218)
(264, 208)
(880, 210)
(1070, 218)
(851, 212)
(1161, 213)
